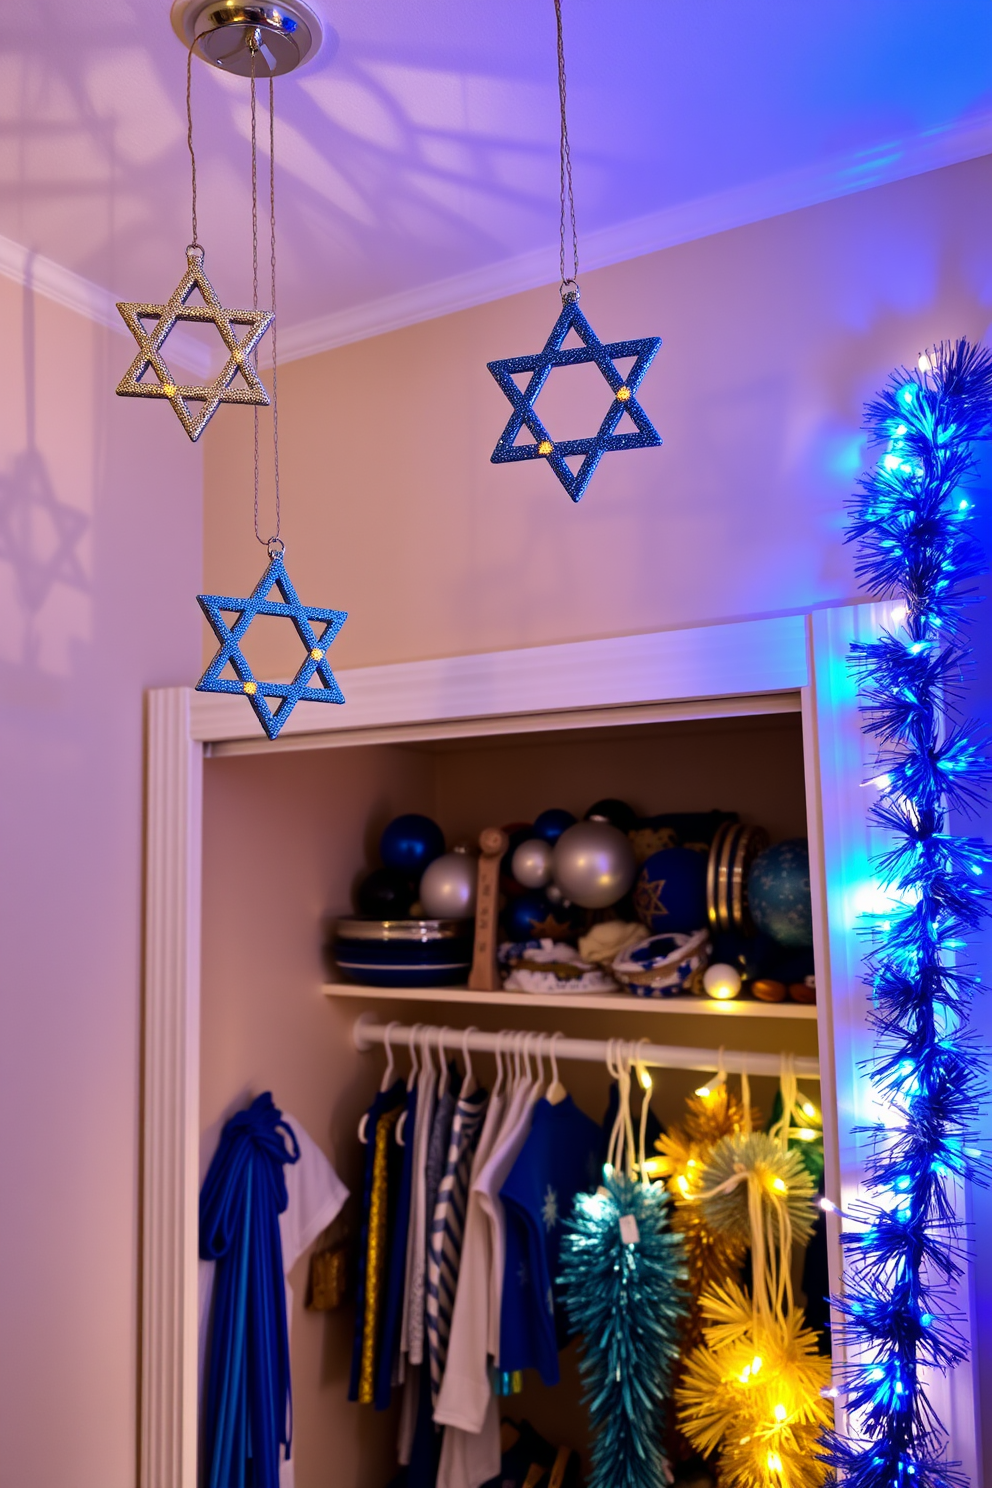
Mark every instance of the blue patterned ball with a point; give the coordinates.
(778, 893)
(670, 896)
(550, 824)
(532, 916)
(410, 842)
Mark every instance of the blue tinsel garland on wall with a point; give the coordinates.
(911, 520)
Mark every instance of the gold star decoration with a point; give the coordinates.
(150, 342)
(647, 899)
(550, 928)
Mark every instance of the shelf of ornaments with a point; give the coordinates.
(613, 1002)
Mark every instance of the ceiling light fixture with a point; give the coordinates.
(289, 34)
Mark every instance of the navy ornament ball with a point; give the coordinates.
(386, 894)
(410, 843)
(550, 824)
(532, 916)
(671, 891)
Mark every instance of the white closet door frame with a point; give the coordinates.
(791, 663)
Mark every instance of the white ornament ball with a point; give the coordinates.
(531, 863)
(721, 982)
(447, 889)
(593, 864)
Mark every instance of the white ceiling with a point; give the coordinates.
(418, 165)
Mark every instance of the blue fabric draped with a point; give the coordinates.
(249, 1399)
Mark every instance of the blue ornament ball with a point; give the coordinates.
(778, 893)
(532, 916)
(410, 842)
(386, 894)
(550, 824)
(670, 895)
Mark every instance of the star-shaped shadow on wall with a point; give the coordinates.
(303, 686)
(150, 342)
(39, 534)
(540, 366)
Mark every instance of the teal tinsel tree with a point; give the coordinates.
(624, 1285)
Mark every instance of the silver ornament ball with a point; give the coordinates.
(532, 863)
(447, 889)
(593, 864)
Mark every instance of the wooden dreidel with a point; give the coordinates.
(484, 976)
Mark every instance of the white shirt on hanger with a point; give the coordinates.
(316, 1195)
(466, 1402)
(467, 1457)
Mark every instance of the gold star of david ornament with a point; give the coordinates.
(150, 342)
(647, 899)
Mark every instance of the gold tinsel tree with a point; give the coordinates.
(752, 1389)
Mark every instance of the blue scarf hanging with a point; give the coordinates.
(249, 1400)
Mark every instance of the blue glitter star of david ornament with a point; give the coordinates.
(215, 606)
(541, 364)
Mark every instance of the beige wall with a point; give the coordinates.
(774, 335)
(100, 552)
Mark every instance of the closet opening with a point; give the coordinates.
(288, 837)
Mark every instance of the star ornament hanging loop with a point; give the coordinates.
(150, 358)
(624, 389)
(313, 683)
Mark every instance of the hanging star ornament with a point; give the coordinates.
(541, 365)
(302, 688)
(150, 342)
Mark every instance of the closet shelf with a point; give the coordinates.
(609, 1001)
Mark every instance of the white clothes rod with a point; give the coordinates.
(368, 1031)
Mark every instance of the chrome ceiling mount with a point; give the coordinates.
(285, 35)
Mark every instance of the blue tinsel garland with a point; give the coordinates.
(911, 520)
(628, 1301)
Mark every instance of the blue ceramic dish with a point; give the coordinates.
(404, 953)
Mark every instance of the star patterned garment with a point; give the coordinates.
(559, 1159)
(541, 364)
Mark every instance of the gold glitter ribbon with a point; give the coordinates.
(375, 1263)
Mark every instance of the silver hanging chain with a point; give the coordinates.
(189, 138)
(254, 258)
(275, 318)
(569, 283)
(274, 544)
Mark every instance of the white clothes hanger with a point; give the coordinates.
(411, 1079)
(469, 1082)
(442, 1088)
(426, 1056)
(387, 1077)
(498, 1052)
(539, 1056)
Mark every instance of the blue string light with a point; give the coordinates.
(911, 522)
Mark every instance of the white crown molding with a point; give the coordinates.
(844, 175)
(48, 278)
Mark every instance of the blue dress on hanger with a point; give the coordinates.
(559, 1159)
(385, 1100)
(397, 1264)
